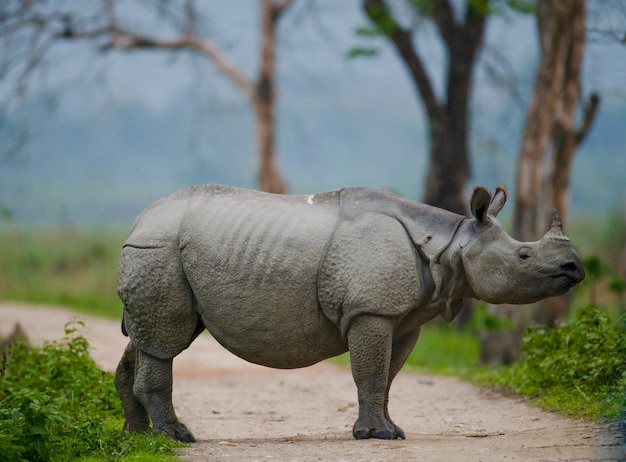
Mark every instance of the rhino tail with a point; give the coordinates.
(124, 331)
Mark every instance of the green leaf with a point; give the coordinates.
(482, 7)
(360, 52)
(367, 31)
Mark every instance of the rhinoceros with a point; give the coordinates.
(288, 281)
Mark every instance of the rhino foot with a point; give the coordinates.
(177, 431)
(381, 430)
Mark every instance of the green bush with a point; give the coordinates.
(579, 367)
(56, 404)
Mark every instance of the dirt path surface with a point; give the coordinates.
(242, 412)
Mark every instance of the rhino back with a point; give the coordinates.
(252, 260)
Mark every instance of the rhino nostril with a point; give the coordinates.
(573, 271)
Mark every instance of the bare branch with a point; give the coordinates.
(591, 108)
(474, 24)
(126, 40)
(224, 64)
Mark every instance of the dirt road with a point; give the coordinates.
(243, 412)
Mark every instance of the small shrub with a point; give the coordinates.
(579, 367)
(56, 404)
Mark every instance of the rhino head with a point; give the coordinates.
(500, 269)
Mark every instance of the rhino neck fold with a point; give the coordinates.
(447, 272)
(435, 238)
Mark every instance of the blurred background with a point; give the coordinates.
(94, 127)
(106, 106)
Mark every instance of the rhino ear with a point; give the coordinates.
(479, 203)
(498, 201)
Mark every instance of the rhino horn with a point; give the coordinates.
(556, 230)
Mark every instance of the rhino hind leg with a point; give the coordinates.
(153, 388)
(370, 345)
(161, 319)
(136, 416)
(155, 393)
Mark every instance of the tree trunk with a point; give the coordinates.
(448, 167)
(550, 137)
(539, 121)
(549, 142)
(565, 138)
(264, 98)
(449, 161)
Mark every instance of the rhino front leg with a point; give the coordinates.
(153, 387)
(400, 352)
(136, 416)
(370, 345)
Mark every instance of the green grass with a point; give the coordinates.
(75, 268)
(444, 349)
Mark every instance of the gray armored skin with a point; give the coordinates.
(287, 281)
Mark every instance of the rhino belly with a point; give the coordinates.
(280, 329)
(253, 269)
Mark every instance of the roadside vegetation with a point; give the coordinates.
(56, 404)
(577, 368)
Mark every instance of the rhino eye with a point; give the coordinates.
(524, 254)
